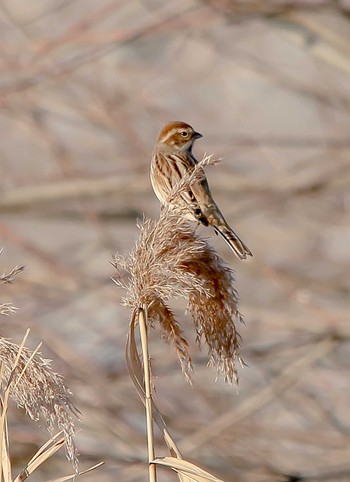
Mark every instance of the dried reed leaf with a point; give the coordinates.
(64, 479)
(136, 374)
(186, 469)
(73, 476)
(133, 362)
(44, 453)
(6, 471)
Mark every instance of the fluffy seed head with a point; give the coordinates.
(41, 392)
(171, 261)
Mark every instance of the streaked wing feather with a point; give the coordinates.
(182, 164)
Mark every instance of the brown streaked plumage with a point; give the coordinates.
(172, 157)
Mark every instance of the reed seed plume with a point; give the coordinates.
(214, 316)
(27, 378)
(171, 261)
(190, 177)
(6, 308)
(7, 278)
(41, 392)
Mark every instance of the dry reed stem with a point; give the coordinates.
(137, 375)
(141, 377)
(44, 453)
(142, 319)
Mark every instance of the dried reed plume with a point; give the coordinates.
(169, 261)
(38, 390)
(28, 379)
(7, 278)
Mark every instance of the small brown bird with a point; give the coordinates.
(172, 157)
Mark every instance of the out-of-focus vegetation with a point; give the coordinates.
(84, 88)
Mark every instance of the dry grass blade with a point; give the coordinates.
(44, 453)
(73, 476)
(5, 470)
(18, 379)
(133, 361)
(90, 469)
(187, 469)
(64, 478)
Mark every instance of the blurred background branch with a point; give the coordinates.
(84, 89)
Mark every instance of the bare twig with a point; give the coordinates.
(258, 400)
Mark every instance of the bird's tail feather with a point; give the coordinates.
(235, 243)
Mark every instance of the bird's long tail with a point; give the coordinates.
(235, 243)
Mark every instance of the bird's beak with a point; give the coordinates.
(197, 135)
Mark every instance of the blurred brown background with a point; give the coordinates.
(84, 88)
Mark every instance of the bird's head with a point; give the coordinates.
(178, 135)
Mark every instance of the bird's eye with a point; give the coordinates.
(183, 133)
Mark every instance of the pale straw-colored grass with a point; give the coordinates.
(26, 378)
(34, 386)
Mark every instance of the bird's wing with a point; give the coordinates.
(182, 163)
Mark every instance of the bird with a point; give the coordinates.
(171, 158)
